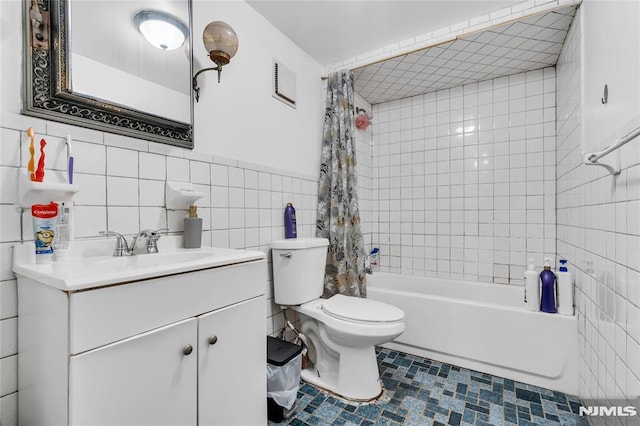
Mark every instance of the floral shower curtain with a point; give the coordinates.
(338, 216)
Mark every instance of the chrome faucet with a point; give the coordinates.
(122, 247)
(121, 243)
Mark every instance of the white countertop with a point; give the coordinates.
(91, 263)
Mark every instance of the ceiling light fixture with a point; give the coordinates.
(161, 29)
(221, 41)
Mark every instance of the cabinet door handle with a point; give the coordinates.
(213, 340)
(187, 350)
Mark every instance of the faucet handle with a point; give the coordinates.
(156, 234)
(121, 242)
(151, 233)
(152, 239)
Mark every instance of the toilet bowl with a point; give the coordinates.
(343, 331)
(340, 332)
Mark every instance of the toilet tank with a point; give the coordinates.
(298, 269)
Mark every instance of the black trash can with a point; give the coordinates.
(283, 374)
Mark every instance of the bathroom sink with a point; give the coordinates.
(148, 260)
(91, 263)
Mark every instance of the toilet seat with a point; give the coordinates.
(359, 310)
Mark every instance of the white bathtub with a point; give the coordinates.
(483, 327)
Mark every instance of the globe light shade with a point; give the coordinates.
(221, 42)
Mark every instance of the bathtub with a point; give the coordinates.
(483, 327)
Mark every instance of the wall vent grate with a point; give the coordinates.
(284, 84)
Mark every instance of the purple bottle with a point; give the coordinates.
(548, 298)
(290, 222)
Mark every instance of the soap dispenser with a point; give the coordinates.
(548, 279)
(193, 229)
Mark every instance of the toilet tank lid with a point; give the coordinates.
(299, 243)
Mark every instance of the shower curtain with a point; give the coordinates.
(338, 216)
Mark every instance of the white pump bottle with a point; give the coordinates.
(565, 289)
(532, 288)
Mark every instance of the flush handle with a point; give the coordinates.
(287, 254)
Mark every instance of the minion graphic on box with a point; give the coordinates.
(44, 223)
(44, 238)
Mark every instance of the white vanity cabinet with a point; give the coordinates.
(228, 392)
(183, 349)
(143, 380)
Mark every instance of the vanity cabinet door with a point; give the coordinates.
(148, 379)
(232, 365)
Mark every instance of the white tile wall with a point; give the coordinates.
(122, 184)
(599, 233)
(466, 179)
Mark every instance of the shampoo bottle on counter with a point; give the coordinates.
(290, 222)
(548, 279)
(193, 229)
(565, 290)
(532, 288)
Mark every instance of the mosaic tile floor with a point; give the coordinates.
(421, 391)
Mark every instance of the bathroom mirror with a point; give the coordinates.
(87, 64)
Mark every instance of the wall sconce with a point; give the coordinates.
(221, 41)
(160, 29)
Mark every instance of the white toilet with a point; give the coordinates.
(340, 331)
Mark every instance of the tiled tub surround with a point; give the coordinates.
(599, 232)
(423, 392)
(466, 179)
(122, 188)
